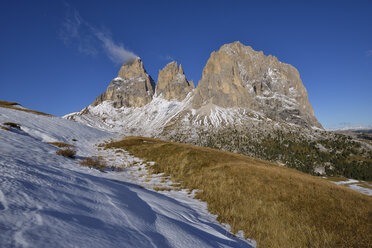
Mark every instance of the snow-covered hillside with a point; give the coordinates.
(48, 200)
(151, 120)
(146, 120)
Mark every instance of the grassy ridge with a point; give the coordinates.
(277, 206)
(13, 105)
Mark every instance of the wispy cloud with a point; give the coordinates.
(369, 53)
(116, 52)
(90, 40)
(166, 57)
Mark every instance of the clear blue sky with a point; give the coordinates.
(57, 56)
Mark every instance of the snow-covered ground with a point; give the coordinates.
(48, 200)
(146, 120)
(151, 119)
(358, 185)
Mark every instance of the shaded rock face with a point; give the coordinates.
(132, 88)
(238, 76)
(172, 83)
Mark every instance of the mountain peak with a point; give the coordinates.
(238, 76)
(132, 68)
(172, 83)
(132, 88)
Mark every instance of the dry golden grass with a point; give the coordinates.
(277, 206)
(60, 144)
(67, 152)
(161, 188)
(13, 105)
(95, 163)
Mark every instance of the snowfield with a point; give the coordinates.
(358, 185)
(48, 200)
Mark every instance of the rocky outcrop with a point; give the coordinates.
(172, 83)
(238, 76)
(132, 88)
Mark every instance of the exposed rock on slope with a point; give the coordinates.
(172, 83)
(132, 88)
(238, 76)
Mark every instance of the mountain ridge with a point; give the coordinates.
(234, 76)
(245, 103)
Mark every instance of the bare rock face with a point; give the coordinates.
(172, 83)
(238, 76)
(132, 88)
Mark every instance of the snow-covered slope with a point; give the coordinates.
(148, 120)
(151, 120)
(49, 201)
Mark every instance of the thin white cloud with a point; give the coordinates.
(169, 58)
(70, 26)
(89, 40)
(166, 57)
(116, 52)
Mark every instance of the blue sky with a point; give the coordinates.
(57, 56)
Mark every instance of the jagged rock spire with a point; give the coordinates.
(172, 83)
(132, 88)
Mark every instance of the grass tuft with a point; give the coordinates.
(60, 144)
(67, 152)
(159, 188)
(94, 162)
(276, 206)
(12, 124)
(5, 128)
(5, 103)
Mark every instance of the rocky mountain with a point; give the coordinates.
(238, 76)
(235, 77)
(172, 83)
(133, 87)
(245, 102)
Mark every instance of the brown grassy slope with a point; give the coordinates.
(13, 105)
(276, 206)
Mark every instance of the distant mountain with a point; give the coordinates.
(352, 127)
(245, 102)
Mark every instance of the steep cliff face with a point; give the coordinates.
(132, 88)
(172, 83)
(238, 76)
